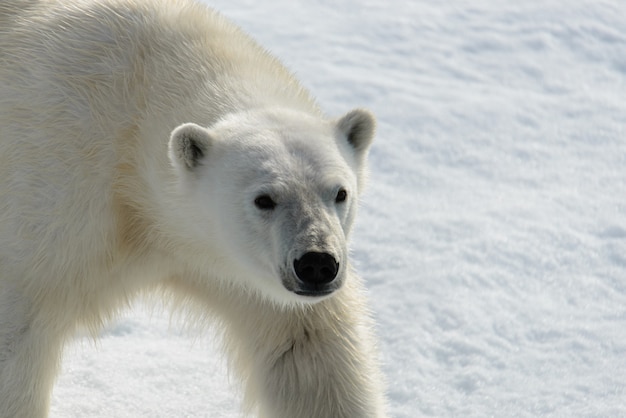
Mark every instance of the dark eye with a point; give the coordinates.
(341, 196)
(264, 202)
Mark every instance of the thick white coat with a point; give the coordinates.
(104, 106)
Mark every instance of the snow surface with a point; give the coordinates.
(493, 233)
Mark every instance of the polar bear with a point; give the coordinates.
(150, 145)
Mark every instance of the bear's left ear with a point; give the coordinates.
(188, 146)
(358, 128)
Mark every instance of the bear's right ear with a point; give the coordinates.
(188, 146)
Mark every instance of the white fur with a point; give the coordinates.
(135, 137)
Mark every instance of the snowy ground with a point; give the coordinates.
(493, 233)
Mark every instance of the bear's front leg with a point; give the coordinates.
(309, 361)
(30, 345)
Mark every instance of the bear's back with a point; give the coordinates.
(99, 64)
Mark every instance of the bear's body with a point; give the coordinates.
(153, 145)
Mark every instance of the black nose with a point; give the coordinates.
(316, 268)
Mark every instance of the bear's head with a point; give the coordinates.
(274, 194)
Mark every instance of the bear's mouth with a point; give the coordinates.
(313, 292)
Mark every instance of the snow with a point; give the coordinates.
(493, 233)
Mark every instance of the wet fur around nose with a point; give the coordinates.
(316, 227)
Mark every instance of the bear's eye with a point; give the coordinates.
(341, 196)
(264, 202)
